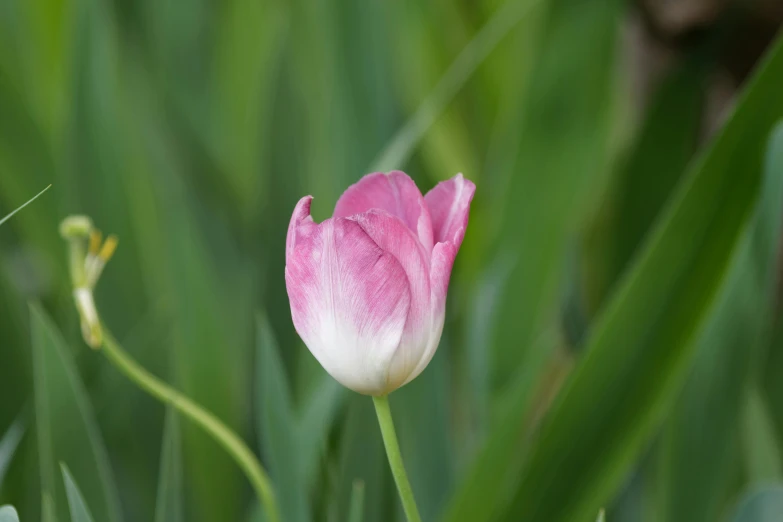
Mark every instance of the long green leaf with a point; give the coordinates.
(169, 507)
(699, 472)
(542, 188)
(357, 502)
(277, 427)
(212, 326)
(421, 413)
(642, 345)
(249, 43)
(6, 218)
(645, 179)
(560, 159)
(79, 510)
(362, 458)
(316, 420)
(402, 145)
(61, 400)
(8, 445)
(763, 458)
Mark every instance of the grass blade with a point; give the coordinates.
(557, 160)
(277, 427)
(8, 445)
(699, 473)
(642, 345)
(401, 146)
(9, 216)
(79, 510)
(168, 506)
(763, 458)
(61, 400)
(357, 502)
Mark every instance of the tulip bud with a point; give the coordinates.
(368, 286)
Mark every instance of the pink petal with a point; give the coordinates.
(301, 215)
(397, 194)
(449, 205)
(349, 298)
(391, 235)
(440, 272)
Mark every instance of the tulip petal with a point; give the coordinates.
(397, 194)
(442, 260)
(449, 205)
(391, 235)
(301, 215)
(349, 299)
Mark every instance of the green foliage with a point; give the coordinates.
(61, 400)
(613, 335)
(168, 505)
(641, 347)
(9, 443)
(79, 510)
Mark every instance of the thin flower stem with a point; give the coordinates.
(211, 424)
(395, 458)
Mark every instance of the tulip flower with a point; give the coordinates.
(368, 286)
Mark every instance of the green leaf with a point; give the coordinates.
(168, 506)
(772, 372)
(538, 195)
(422, 416)
(645, 179)
(277, 427)
(404, 142)
(8, 514)
(211, 304)
(699, 472)
(642, 345)
(357, 502)
(316, 420)
(362, 457)
(250, 37)
(763, 458)
(79, 510)
(765, 505)
(6, 218)
(558, 164)
(601, 516)
(8, 445)
(61, 400)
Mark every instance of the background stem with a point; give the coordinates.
(211, 424)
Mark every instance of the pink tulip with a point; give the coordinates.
(368, 286)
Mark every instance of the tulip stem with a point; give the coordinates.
(383, 411)
(229, 440)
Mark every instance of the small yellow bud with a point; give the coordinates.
(109, 246)
(96, 238)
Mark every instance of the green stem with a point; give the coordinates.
(395, 458)
(211, 424)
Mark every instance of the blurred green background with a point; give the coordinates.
(613, 334)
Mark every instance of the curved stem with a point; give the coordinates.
(395, 458)
(211, 424)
